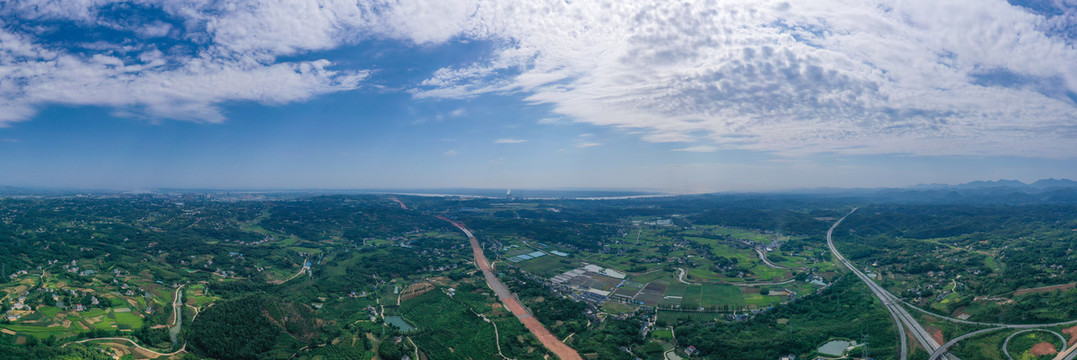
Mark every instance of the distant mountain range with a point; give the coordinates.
(978, 192)
(1014, 184)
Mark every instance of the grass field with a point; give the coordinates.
(742, 234)
(714, 295)
(197, 293)
(672, 317)
(93, 312)
(40, 332)
(655, 275)
(547, 266)
(127, 320)
(49, 311)
(614, 307)
(693, 295)
(677, 289)
(305, 250)
(105, 324)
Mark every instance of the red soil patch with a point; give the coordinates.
(936, 334)
(1072, 332)
(1043, 349)
(415, 290)
(1062, 287)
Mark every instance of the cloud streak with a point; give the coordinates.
(509, 141)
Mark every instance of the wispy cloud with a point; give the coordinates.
(451, 152)
(587, 144)
(698, 149)
(551, 121)
(509, 141)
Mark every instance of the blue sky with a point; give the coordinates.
(672, 96)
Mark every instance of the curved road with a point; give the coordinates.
(1006, 344)
(136, 345)
(942, 349)
(763, 256)
(1012, 326)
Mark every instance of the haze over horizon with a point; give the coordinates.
(673, 96)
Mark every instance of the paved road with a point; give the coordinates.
(763, 256)
(1068, 354)
(134, 344)
(564, 352)
(941, 351)
(1006, 343)
(902, 319)
(1012, 326)
(899, 314)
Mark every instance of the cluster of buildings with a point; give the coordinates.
(590, 283)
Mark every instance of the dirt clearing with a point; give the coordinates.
(1043, 349)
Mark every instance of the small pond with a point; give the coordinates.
(835, 347)
(400, 323)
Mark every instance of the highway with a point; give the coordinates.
(903, 320)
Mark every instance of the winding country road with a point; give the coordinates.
(564, 352)
(763, 256)
(134, 344)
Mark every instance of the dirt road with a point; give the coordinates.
(509, 300)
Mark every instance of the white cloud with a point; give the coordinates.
(155, 29)
(858, 77)
(451, 152)
(585, 144)
(509, 141)
(699, 149)
(551, 121)
(237, 62)
(801, 77)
